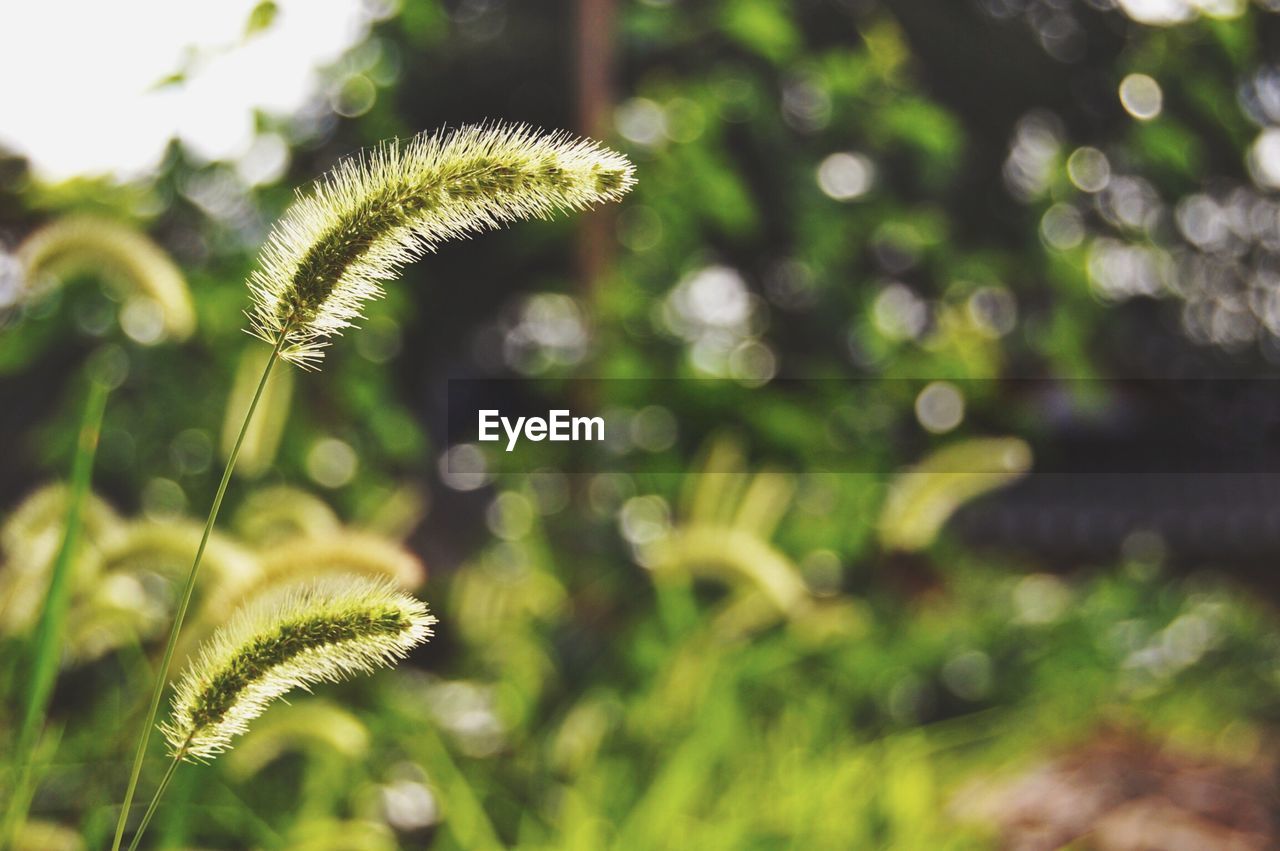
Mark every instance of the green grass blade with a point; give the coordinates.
(47, 641)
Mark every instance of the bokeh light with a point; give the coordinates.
(1141, 96)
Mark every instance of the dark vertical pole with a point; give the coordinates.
(595, 25)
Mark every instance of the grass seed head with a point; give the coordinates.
(85, 244)
(375, 212)
(321, 631)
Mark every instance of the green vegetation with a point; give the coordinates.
(846, 614)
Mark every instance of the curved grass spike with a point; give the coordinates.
(320, 631)
(31, 538)
(37, 835)
(348, 552)
(922, 498)
(31, 532)
(116, 614)
(25, 575)
(398, 514)
(163, 546)
(374, 213)
(127, 256)
(44, 511)
(290, 562)
(157, 547)
(313, 726)
(357, 227)
(280, 513)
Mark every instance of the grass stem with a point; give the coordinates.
(162, 674)
(155, 799)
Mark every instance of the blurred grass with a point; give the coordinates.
(46, 647)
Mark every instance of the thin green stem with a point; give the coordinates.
(155, 799)
(48, 633)
(162, 674)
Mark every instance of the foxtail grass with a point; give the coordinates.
(312, 726)
(341, 553)
(922, 498)
(124, 255)
(356, 228)
(45, 510)
(163, 546)
(279, 513)
(373, 214)
(322, 631)
(30, 541)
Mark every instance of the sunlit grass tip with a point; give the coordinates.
(321, 631)
(375, 212)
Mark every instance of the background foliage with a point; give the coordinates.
(754, 653)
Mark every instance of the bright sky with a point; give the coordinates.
(79, 95)
(1162, 12)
